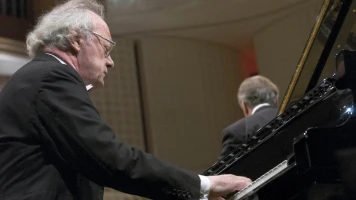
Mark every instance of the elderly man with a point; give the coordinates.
(53, 144)
(258, 98)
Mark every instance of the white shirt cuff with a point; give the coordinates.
(204, 187)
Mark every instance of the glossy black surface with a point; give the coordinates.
(323, 169)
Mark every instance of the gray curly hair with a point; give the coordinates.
(53, 28)
(256, 90)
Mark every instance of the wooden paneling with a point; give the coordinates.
(15, 23)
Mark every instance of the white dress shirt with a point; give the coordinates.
(204, 187)
(259, 106)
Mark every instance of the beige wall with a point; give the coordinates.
(279, 46)
(190, 89)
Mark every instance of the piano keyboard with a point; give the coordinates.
(258, 182)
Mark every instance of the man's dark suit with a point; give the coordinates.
(242, 129)
(53, 144)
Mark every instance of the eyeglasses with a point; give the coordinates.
(107, 49)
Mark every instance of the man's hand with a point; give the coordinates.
(222, 185)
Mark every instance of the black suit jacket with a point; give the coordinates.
(53, 144)
(241, 130)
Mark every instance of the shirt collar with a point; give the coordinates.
(88, 87)
(60, 60)
(259, 106)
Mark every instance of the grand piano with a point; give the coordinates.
(308, 152)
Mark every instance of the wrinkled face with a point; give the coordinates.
(92, 58)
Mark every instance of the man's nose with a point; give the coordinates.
(110, 63)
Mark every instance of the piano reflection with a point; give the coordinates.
(309, 150)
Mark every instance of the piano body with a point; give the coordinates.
(306, 151)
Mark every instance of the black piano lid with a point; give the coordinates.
(333, 31)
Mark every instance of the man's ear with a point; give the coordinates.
(74, 40)
(244, 108)
(246, 111)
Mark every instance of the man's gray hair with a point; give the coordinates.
(53, 28)
(256, 90)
